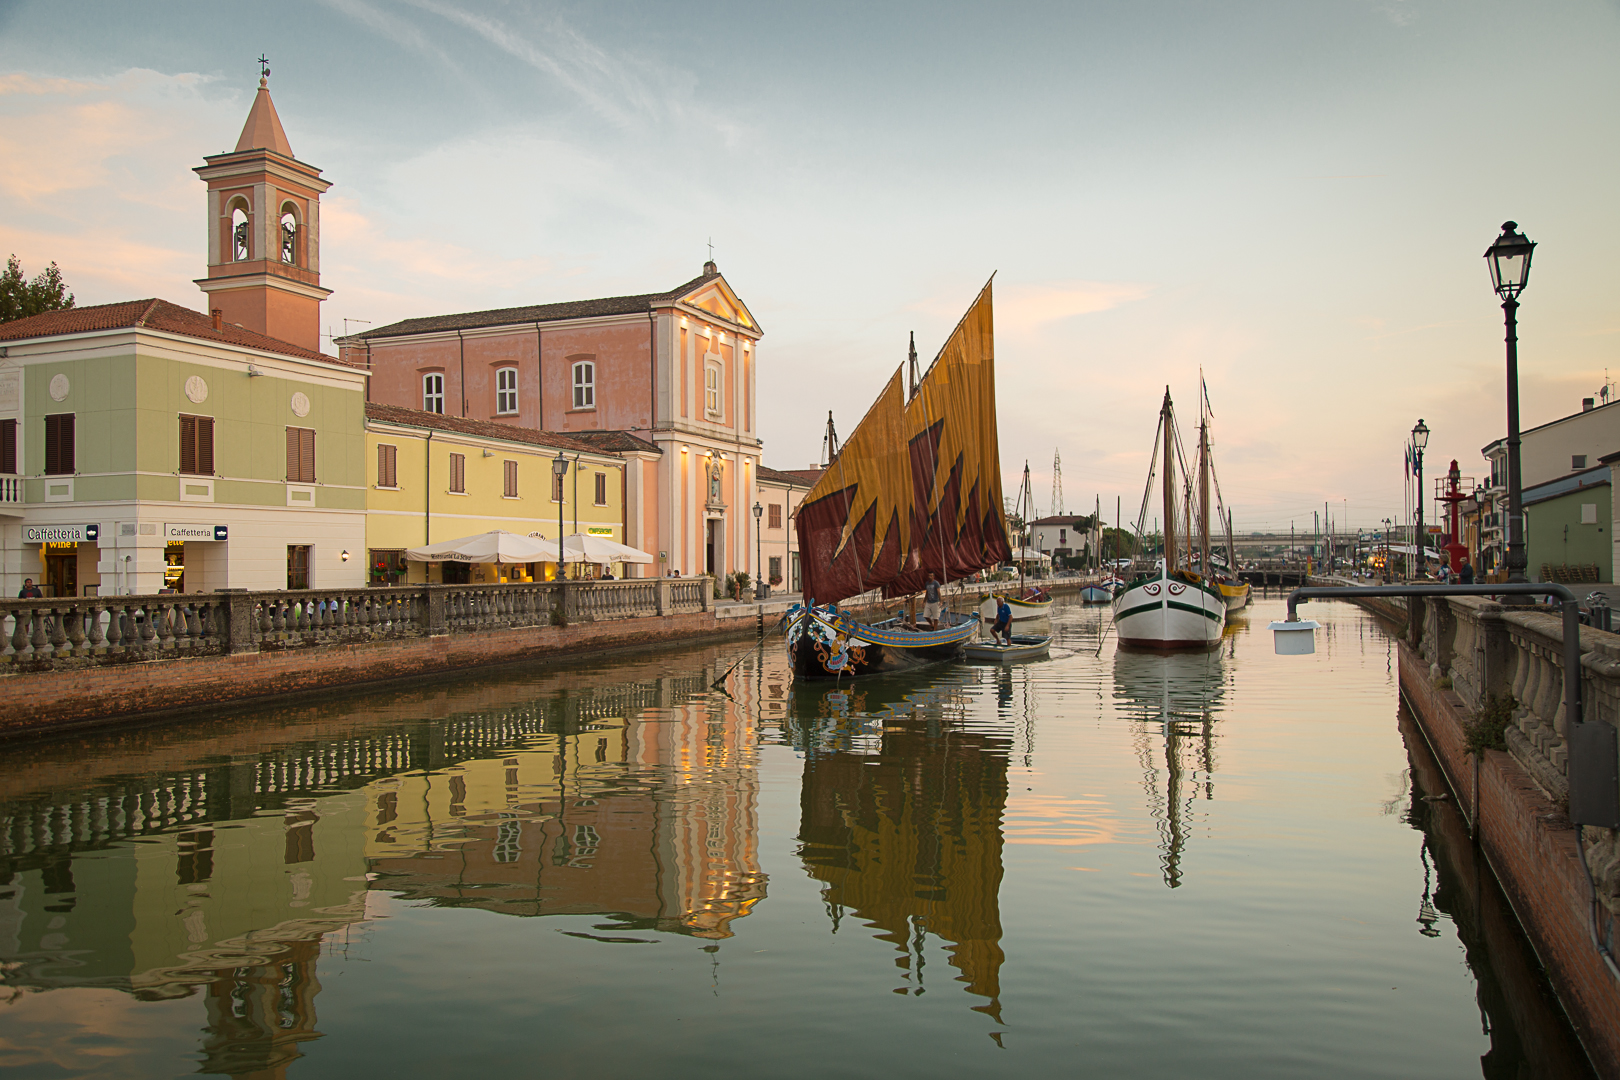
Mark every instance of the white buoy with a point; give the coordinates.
(1296, 638)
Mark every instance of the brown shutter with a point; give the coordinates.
(188, 444)
(59, 444)
(511, 479)
(66, 451)
(205, 445)
(387, 470)
(306, 454)
(8, 446)
(292, 455)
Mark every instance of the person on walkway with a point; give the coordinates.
(1465, 574)
(1001, 630)
(932, 608)
(30, 591)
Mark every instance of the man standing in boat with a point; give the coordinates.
(933, 610)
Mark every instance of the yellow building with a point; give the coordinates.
(432, 478)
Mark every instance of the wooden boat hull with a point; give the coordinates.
(1169, 611)
(1235, 593)
(1095, 594)
(828, 643)
(1023, 647)
(1021, 609)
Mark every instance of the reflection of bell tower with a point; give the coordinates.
(264, 231)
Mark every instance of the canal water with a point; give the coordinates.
(1112, 864)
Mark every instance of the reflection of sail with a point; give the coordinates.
(909, 839)
(1181, 693)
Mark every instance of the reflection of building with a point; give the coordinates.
(652, 822)
(909, 840)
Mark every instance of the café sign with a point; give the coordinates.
(181, 531)
(61, 534)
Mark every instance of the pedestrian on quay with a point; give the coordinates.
(30, 591)
(1466, 573)
(932, 608)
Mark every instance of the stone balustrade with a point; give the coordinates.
(1487, 649)
(69, 632)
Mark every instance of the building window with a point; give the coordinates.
(585, 385)
(387, 566)
(297, 566)
(776, 516)
(458, 473)
(8, 446)
(387, 465)
(300, 455)
(197, 445)
(776, 570)
(506, 402)
(510, 489)
(1577, 461)
(433, 393)
(1063, 536)
(556, 488)
(59, 444)
(795, 585)
(601, 489)
(711, 389)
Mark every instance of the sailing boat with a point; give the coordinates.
(1097, 592)
(1169, 606)
(1031, 602)
(914, 493)
(1234, 590)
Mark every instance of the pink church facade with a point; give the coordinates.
(667, 380)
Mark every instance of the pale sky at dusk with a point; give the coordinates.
(1295, 196)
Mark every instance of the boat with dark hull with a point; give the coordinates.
(913, 494)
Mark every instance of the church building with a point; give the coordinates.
(667, 379)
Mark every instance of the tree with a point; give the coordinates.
(20, 298)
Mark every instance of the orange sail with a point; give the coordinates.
(917, 488)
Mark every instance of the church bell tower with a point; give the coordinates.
(264, 231)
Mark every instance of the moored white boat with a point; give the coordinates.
(1021, 609)
(1235, 593)
(1100, 593)
(1023, 647)
(1169, 610)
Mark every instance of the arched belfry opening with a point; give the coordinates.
(264, 263)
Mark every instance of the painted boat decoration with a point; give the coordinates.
(1169, 610)
(830, 643)
(914, 493)
(1023, 647)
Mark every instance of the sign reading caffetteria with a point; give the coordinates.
(61, 534)
(181, 531)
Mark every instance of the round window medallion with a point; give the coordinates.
(300, 404)
(59, 387)
(196, 390)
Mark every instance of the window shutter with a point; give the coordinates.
(66, 451)
(205, 445)
(306, 454)
(386, 466)
(601, 489)
(292, 455)
(59, 444)
(458, 473)
(511, 479)
(8, 446)
(188, 444)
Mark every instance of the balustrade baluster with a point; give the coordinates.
(74, 617)
(97, 637)
(167, 615)
(37, 637)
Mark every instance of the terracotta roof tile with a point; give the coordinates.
(488, 429)
(154, 314)
(572, 309)
(616, 441)
(804, 478)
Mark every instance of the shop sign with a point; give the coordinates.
(176, 531)
(598, 530)
(61, 534)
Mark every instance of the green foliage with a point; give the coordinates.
(1443, 682)
(1488, 729)
(559, 617)
(20, 297)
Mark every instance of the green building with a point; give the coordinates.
(1567, 528)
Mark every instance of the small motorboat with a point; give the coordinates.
(1023, 647)
(1034, 604)
(1099, 593)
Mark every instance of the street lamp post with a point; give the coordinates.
(1420, 439)
(759, 543)
(1386, 550)
(559, 469)
(1509, 262)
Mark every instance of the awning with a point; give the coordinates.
(582, 547)
(496, 546)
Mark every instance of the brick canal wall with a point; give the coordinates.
(1520, 798)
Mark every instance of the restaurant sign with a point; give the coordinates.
(598, 530)
(178, 531)
(61, 534)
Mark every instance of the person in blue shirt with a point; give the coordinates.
(1002, 629)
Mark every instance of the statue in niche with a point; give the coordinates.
(716, 473)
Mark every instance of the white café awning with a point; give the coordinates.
(496, 546)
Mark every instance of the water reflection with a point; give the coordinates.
(903, 825)
(1174, 698)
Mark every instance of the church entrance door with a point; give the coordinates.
(708, 546)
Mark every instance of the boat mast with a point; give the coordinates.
(1025, 497)
(1169, 485)
(1203, 491)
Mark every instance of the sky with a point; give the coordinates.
(1292, 197)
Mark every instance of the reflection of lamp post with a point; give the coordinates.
(759, 544)
(1509, 261)
(1420, 439)
(559, 469)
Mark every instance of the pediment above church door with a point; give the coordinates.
(716, 298)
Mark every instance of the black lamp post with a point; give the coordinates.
(1387, 525)
(759, 544)
(559, 469)
(1420, 439)
(1509, 261)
